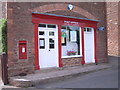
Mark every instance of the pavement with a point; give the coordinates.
(6, 86)
(54, 74)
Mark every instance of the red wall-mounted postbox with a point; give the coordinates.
(22, 50)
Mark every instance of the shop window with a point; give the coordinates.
(70, 40)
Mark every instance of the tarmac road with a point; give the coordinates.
(101, 79)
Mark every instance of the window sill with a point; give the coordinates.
(72, 56)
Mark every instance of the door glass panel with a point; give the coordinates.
(51, 26)
(42, 43)
(41, 32)
(63, 27)
(84, 29)
(51, 43)
(51, 33)
(88, 29)
(42, 25)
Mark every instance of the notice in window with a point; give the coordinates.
(41, 42)
(73, 37)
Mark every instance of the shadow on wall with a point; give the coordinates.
(3, 68)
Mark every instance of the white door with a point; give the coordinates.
(48, 46)
(89, 45)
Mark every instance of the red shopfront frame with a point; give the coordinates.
(60, 20)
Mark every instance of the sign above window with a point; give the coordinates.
(73, 36)
(71, 23)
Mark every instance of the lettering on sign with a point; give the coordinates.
(71, 23)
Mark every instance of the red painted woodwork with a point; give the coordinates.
(49, 19)
(22, 50)
(83, 54)
(37, 67)
(96, 61)
(59, 45)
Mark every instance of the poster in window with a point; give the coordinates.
(63, 37)
(42, 43)
(73, 36)
(62, 40)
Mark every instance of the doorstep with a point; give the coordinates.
(54, 75)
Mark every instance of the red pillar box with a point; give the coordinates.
(22, 50)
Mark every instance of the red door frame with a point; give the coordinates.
(95, 41)
(37, 67)
(59, 46)
(83, 54)
(59, 21)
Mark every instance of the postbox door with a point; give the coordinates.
(22, 50)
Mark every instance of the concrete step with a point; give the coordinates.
(54, 75)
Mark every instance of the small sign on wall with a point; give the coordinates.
(101, 28)
(70, 6)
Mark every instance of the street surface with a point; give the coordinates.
(107, 78)
(101, 79)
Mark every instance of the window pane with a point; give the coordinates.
(51, 43)
(63, 27)
(51, 33)
(51, 26)
(41, 32)
(88, 29)
(42, 25)
(84, 29)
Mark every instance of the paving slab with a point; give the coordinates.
(40, 77)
